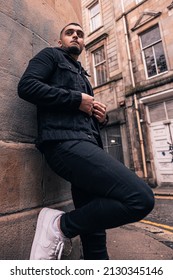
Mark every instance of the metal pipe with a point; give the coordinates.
(127, 44)
(134, 96)
(140, 137)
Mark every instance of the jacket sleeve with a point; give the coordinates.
(33, 85)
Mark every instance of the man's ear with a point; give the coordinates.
(59, 43)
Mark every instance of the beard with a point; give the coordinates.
(74, 50)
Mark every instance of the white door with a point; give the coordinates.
(161, 130)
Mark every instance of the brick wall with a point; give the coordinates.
(26, 182)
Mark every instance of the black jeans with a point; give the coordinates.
(106, 194)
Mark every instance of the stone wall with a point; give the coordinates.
(27, 183)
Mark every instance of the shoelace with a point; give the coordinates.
(56, 252)
(60, 247)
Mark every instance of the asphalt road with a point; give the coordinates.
(162, 212)
(149, 239)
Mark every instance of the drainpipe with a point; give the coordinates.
(140, 137)
(134, 96)
(127, 44)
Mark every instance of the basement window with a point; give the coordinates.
(111, 137)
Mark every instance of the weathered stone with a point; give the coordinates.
(21, 177)
(38, 44)
(55, 189)
(17, 232)
(16, 46)
(26, 181)
(17, 117)
(39, 17)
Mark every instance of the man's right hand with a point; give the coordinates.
(87, 104)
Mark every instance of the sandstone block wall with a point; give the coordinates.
(26, 183)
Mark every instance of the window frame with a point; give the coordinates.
(104, 62)
(153, 51)
(139, 1)
(90, 18)
(165, 104)
(109, 144)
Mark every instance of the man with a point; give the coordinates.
(105, 193)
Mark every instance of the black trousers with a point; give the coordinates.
(106, 194)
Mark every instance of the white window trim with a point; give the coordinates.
(138, 1)
(91, 30)
(144, 61)
(157, 97)
(95, 65)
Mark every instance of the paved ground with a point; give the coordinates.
(141, 241)
(135, 242)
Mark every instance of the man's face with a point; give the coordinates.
(72, 39)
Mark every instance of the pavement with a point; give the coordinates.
(141, 241)
(165, 191)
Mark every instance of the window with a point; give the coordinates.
(138, 1)
(95, 17)
(153, 53)
(161, 111)
(111, 137)
(100, 70)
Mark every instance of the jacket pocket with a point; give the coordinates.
(65, 76)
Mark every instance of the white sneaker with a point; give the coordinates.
(48, 241)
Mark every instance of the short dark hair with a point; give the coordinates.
(71, 23)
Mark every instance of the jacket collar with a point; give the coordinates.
(76, 62)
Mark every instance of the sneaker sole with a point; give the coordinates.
(41, 217)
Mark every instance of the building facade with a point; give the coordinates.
(26, 182)
(129, 54)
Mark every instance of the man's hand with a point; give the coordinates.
(99, 111)
(91, 107)
(87, 104)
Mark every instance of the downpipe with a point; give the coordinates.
(134, 96)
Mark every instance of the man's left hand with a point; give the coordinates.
(99, 111)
